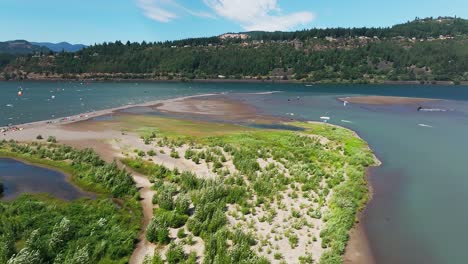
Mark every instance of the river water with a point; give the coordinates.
(418, 212)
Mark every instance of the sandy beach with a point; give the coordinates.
(385, 100)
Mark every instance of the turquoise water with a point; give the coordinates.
(418, 212)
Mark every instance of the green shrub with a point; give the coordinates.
(189, 154)
(164, 200)
(170, 218)
(182, 204)
(157, 232)
(181, 233)
(175, 254)
(175, 154)
(157, 259)
(278, 256)
(308, 259)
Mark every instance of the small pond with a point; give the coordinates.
(19, 177)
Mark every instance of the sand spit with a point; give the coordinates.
(216, 108)
(113, 144)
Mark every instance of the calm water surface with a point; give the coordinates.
(418, 213)
(18, 177)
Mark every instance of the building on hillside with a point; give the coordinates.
(234, 36)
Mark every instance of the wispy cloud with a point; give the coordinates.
(249, 14)
(193, 12)
(259, 14)
(167, 10)
(155, 10)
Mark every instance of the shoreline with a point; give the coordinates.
(271, 81)
(358, 249)
(89, 115)
(356, 233)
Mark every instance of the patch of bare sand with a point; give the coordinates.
(385, 100)
(218, 107)
(358, 250)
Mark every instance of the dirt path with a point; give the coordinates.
(108, 153)
(143, 247)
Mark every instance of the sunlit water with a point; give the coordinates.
(418, 212)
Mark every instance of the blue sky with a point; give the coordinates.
(95, 21)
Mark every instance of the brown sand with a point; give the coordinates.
(358, 250)
(219, 107)
(385, 100)
(213, 106)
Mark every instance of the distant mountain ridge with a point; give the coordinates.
(62, 46)
(20, 47)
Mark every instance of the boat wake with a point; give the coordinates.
(424, 125)
(263, 93)
(432, 110)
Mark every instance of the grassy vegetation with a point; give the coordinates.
(42, 229)
(269, 166)
(147, 125)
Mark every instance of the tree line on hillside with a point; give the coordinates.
(388, 60)
(318, 60)
(418, 28)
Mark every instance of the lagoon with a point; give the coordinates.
(19, 177)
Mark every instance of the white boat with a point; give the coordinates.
(325, 118)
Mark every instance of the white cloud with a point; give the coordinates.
(155, 10)
(250, 14)
(167, 10)
(259, 14)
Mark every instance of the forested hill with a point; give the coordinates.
(426, 50)
(20, 47)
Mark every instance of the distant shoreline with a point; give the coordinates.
(267, 81)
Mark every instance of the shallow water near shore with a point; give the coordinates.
(418, 212)
(19, 177)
